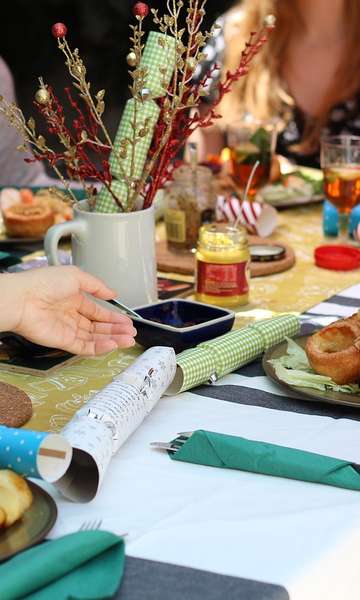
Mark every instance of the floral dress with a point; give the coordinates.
(344, 117)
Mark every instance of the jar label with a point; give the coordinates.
(222, 280)
(175, 222)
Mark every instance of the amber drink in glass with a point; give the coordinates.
(340, 161)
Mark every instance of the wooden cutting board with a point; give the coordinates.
(169, 262)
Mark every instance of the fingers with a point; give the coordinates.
(126, 328)
(114, 329)
(94, 312)
(98, 344)
(91, 347)
(122, 339)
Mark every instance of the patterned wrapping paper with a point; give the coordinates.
(105, 422)
(147, 110)
(228, 352)
(105, 202)
(159, 53)
(144, 110)
(34, 453)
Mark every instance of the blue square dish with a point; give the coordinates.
(180, 324)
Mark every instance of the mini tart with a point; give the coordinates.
(27, 221)
(335, 351)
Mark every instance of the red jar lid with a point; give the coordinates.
(337, 258)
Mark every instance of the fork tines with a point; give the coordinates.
(171, 446)
(90, 525)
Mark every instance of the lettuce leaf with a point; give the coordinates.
(294, 369)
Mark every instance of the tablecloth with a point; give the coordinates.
(195, 532)
(55, 398)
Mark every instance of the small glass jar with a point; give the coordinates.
(222, 265)
(189, 202)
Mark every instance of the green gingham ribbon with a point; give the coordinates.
(228, 352)
(144, 110)
(159, 60)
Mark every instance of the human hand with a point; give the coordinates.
(51, 306)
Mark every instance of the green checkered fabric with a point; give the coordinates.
(228, 352)
(159, 53)
(273, 329)
(196, 364)
(105, 203)
(144, 110)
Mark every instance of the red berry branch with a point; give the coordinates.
(85, 141)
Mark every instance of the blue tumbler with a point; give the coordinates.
(331, 219)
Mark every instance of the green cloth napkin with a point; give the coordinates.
(87, 565)
(231, 452)
(230, 351)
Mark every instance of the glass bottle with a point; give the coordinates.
(222, 265)
(189, 202)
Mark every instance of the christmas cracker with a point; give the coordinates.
(34, 453)
(158, 59)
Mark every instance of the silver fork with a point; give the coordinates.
(90, 525)
(175, 445)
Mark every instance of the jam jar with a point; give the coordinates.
(222, 265)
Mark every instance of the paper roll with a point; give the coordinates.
(106, 421)
(228, 352)
(105, 203)
(147, 114)
(34, 453)
(159, 60)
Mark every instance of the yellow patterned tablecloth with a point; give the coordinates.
(55, 398)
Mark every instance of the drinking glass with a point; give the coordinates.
(251, 140)
(340, 162)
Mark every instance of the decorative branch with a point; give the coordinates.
(86, 142)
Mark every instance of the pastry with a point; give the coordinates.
(335, 350)
(29, 215)
(27, 220)
(15, 497)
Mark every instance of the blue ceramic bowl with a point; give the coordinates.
(180, 324)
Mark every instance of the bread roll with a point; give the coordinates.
(15, 497)
(335, 350)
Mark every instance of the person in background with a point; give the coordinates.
(54, 306)
(13, 169)
(307, 75)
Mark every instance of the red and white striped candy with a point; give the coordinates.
(259, 219)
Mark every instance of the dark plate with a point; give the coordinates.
(34, 525)
(307, 393)
(180, 324)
